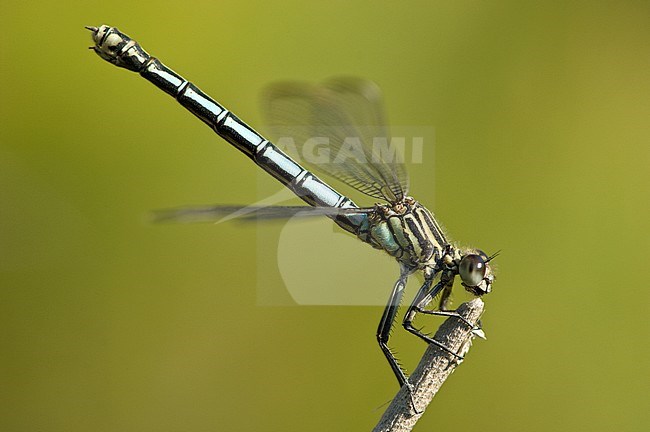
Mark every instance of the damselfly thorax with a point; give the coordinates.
(407, 231)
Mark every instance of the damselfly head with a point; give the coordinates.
(475, 272)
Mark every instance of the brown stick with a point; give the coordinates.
(435, 367)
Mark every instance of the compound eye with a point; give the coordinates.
(472, 269)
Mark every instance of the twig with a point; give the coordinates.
(435, 367)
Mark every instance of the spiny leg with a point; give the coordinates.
(445, 301)
(424, 296)
(386, 323)
(448, 313)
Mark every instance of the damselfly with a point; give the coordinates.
(399, 225)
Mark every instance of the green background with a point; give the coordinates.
(109, 324)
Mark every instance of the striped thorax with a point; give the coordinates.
(407, 231)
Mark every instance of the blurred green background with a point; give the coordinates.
(109, 324)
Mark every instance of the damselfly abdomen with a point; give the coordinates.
(400, 225)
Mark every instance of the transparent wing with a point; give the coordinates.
(338, 128)
(216, 214)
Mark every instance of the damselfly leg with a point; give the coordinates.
(424, 296)
(386, 325)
